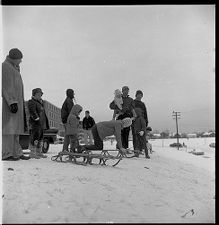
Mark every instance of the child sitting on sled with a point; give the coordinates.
(118, 102)
(72, 127)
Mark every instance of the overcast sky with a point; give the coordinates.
(167, 51)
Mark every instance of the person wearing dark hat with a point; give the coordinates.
(65, 110)
(87, 123)
(38, 122)
(139, 132)
(139, 104)
(13, 111)
(127, 111)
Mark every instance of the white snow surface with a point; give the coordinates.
(174, 186)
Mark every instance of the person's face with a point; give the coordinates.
(38, 95)
(71, 94)
(17, 61)
(139, 97)
(125, 92)
(86, 114)
(118, 95)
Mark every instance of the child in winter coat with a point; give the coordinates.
(38, 123)
(139, 125)
(72, 127)
(118, 102)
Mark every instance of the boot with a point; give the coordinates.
(39, 151)
(33, 154)
(137, 152)
(147, 157)
(146, 153)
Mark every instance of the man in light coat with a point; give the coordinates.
(13, 112)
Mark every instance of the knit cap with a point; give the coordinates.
(15, 53)
(127, 122)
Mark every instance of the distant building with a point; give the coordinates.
(54, 115)
(191, 135)
(157, 135)
(208, 134)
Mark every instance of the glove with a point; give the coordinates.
(141, 133)
(13, 108)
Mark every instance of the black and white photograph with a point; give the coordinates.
(108, 113)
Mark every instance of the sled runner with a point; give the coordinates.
(105, 157)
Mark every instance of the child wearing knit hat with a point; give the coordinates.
(118, 102)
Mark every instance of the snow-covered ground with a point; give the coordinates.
(171, 187)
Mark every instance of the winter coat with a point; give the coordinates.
(36, 110)
(139, 123)
(108, 128)
(66, 109)
(127, 106)
(140, 104)
(87, 123)
(72, 125)
(12, 92)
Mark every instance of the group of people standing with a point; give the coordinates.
(126, 107)
(71, 121)
(127, 114)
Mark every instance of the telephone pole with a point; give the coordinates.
(176, 116)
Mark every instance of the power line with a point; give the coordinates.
(194, 125)
(193, 110)
(176, 116)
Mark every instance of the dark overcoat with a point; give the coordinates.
(36, 110)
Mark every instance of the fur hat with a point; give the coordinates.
(15, 53)
(117, 92)
(127, 122)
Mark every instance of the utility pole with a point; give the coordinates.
(176, 115)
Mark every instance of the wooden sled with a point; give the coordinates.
(88, 157)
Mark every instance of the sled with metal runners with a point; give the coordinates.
(105, 157)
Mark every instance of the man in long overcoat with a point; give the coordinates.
(13, 112)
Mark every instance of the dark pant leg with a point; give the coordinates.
(125, 137)
(124, 131)
(36, 135)
(133, 138)
(143, 144)
(98, 143)
(66, 140)
(73, 142)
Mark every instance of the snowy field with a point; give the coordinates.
(171, 187)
